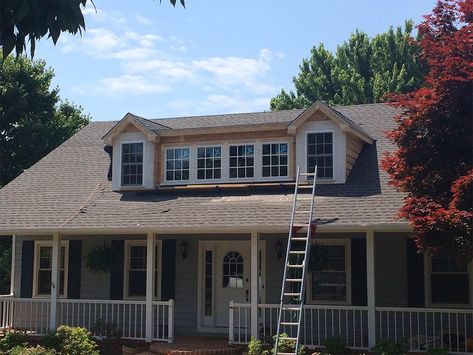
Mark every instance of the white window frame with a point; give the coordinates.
(191, 159)
(225, 146)
(269, 178)
(334, 153)
(255, 152)
(428, 285)
(347, 244)
(121, 164)
(126, 268)
(46, 243)
(196, 167)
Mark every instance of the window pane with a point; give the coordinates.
(132, 164)
(320, 153)
(450, 288)
(44, 282)
(329, 286)
(137, 283)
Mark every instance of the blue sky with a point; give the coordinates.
(211, 57)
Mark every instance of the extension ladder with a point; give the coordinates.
(293, 284)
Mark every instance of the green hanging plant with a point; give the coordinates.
(100, 259)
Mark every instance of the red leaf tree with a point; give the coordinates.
(433, 162)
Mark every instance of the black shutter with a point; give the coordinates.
(415, 275)
(27, 260)
(116, 274)
(73, 278)
(358, 272)
(168, 274)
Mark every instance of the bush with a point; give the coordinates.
(38, 350)
(51, 341)
(286, 345)
(438, 352)
(336, 346)
(73, 341)
(386, 347)
(13, 339)
(255, 347)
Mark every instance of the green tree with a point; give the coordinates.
(22, 20)
(33, 119)
(362, 70)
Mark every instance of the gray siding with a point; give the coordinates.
(93, 285)
(391, 269)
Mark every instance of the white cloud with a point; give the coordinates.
(132, 85)
(143, 20)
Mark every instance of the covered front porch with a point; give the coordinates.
(229, 284)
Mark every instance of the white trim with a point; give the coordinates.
(150, 286)
(211, 245)
(428, 285)
(49, 243)
(254, 288)
(334, 153)
(347, 244)
(371, 287)
(158, 258)
(121, 164)
(12, 265)
(225, 158)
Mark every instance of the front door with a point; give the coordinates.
(225, 275)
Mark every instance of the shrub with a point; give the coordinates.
(255, 347)
(38, 350)
(286, 345)
(336, 346)
(438, 352)
(386, 347)
(13, 339)
(75, 341)
(51, 341)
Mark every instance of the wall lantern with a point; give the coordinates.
(278, 247)
(184, 249)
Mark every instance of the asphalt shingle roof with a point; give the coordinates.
(48, 195)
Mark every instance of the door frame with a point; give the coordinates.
(205, 245)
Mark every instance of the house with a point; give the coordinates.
(196, 211)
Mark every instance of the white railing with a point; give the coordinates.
(319, 322)
(163, 320)
(128, 317)
(427, 328)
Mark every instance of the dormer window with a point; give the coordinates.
(209, 163)
(177, 164)
(275, 161)
(242, 161)
(320, 153)
(132, 164)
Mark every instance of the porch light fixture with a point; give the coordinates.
(278, 247)
(184, 249)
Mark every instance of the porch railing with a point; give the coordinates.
(318, 323)
(129, 317)
(427, 328)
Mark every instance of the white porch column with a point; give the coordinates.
(12, 266)
(370, 284)
(254, 284)
(149, 285)
(55, 275)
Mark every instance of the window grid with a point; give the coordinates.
(242, 161)
(208, 283)
(177, 164)
(209, 163)
(45, 264)
(275, 159)
(132, 164)
(320, 153)
(330, 282)
(137, 270)
(233, 270)
(449, 279)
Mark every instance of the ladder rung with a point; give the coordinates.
(285, 308)
(299, 238)
(301, 211)
(304, 198)
(302, 225)
(299, 252)
(292, 294)
(295, 266)
(294, 280)
(290, 323)
(288, 338)
(278, 353)
(306, 174)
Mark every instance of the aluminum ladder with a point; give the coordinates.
(293, 284)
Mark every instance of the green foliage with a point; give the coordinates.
(51, 341)
(13, 339)
(255, 347)
(31, 20)
(5, 265)
(100, 259)
(336, 346)
(33, 119)
(37, 350)
(72, 341)
(437, 352)
(286, 345)
(106, 330)
(386, 347)
(362, 70)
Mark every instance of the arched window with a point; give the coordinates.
(233, 270)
